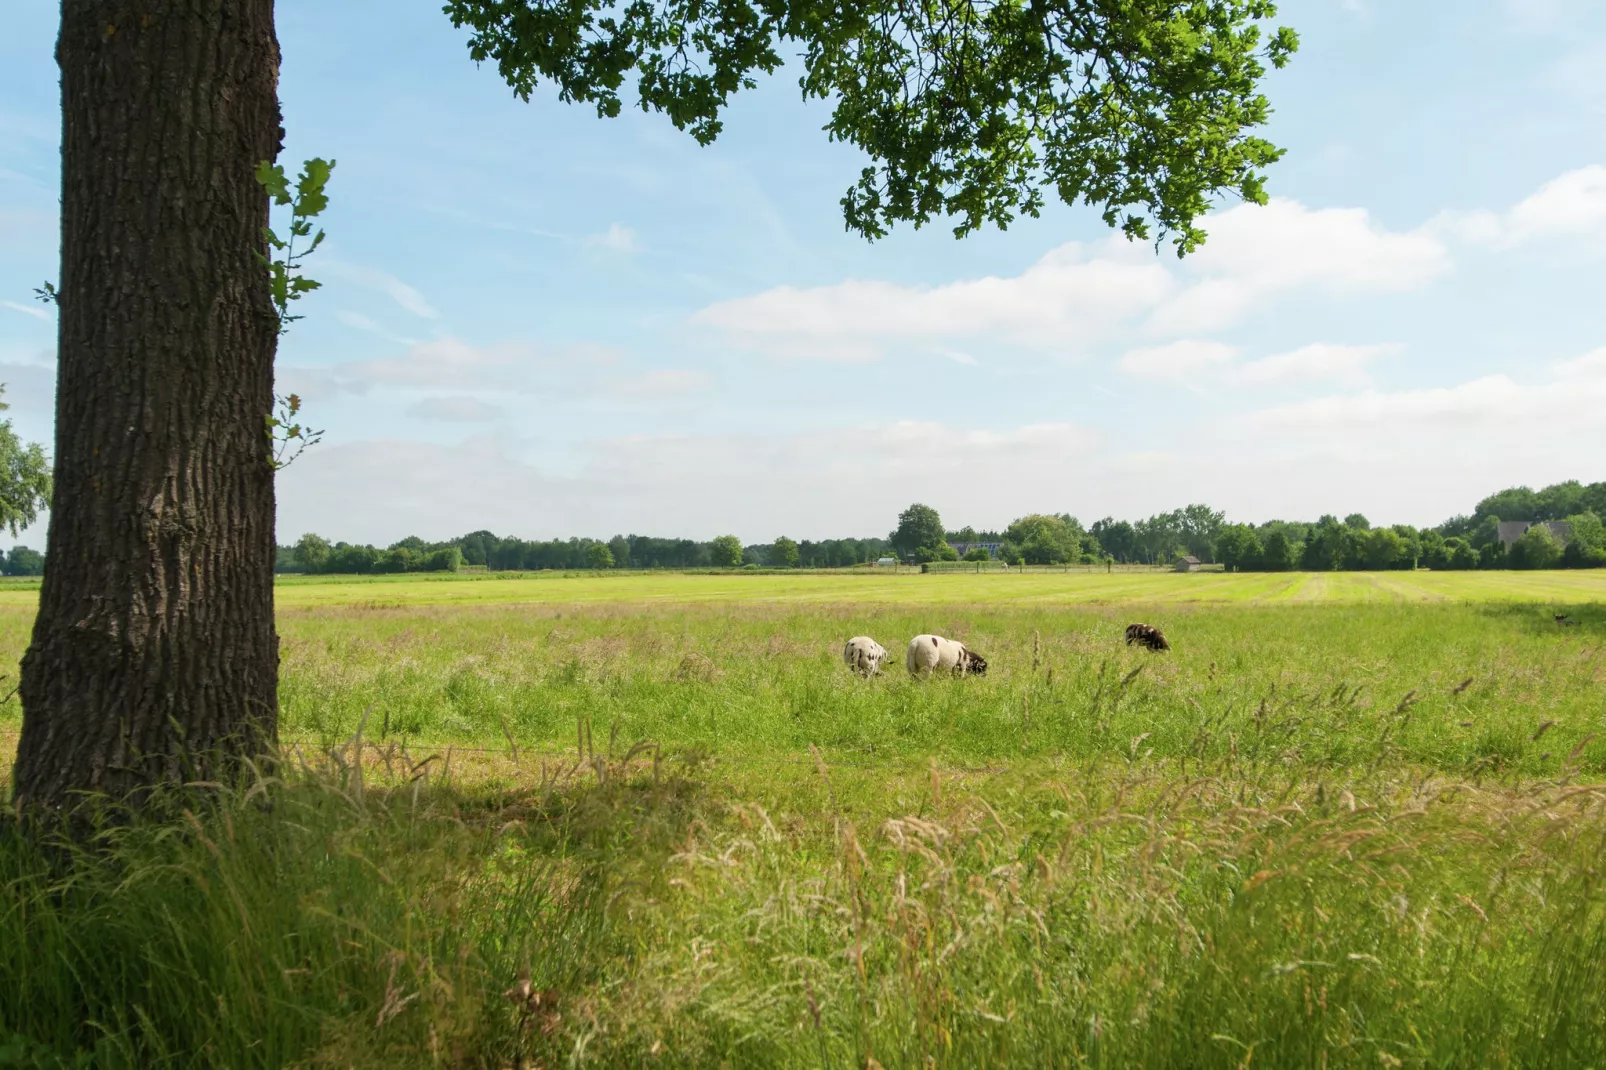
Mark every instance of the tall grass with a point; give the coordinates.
(1312, 835)
(304, 923)
(798, 916)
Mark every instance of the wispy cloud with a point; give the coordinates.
(1180, 362)
(1194, 362)
(513, 368)
(36, 313)
(358, 321)
(1571, 395)
(617, 238)
(382, 282)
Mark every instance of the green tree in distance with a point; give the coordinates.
(943, 551)
(1536, 548)
(919, 527)
(1238, 548)
(22, 561)
(783, 554)
(725, 551)
(1042, 539)
(312, 552)
(1145, 110)
(24, 477)
(1279, 554)
(599, 556)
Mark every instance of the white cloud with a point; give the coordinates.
(1572, 205)
(1312, 363)
(457, 409)
(1196, 361)
(1591, 365)
(1257, 253)
(383, 282)
(617, 238)
(1071, 296)
(1079, 295)
(36, 313)
(1493, 406)
(1178, 361)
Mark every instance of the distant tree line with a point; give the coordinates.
(314, 553)
(1462, 542)
(1328, 543)
(484, 549)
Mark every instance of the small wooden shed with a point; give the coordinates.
(1189, 563)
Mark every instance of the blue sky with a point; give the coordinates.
(546, 324)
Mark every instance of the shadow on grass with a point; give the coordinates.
(319, 920)
(1578, 619)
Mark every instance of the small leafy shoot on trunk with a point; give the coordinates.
(288, 438)
(47, 294)
(306, 201)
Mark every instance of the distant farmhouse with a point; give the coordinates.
(1511, 530)
(1189, 563)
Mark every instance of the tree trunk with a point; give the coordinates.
(154, 657)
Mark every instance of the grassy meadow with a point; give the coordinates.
(650, 819)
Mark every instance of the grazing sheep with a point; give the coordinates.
(1147, 635)
(929, 653)
(864, 655)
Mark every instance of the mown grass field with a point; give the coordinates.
(1351, 819)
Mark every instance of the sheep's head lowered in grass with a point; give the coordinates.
(1147, 635)
(972, 664)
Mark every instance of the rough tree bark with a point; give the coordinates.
(154, 656)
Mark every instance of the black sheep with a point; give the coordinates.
(1147, 635)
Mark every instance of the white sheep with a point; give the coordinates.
(864, 655)
(929, 653)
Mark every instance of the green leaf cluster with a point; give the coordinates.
(306, 201)
(968, 109)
